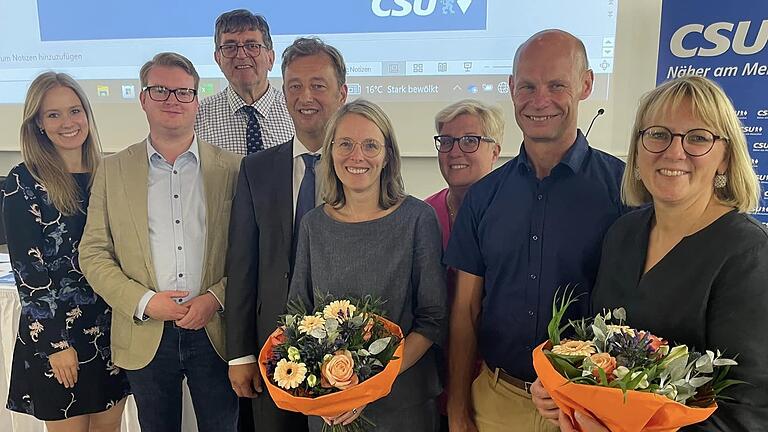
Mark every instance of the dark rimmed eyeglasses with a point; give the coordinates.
(696, 142)
(161, 93)
(229, 50)
(467, 143)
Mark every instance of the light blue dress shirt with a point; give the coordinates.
(176, 218)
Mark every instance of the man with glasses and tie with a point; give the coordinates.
(155, 247)
(275, 189)
(249, 115)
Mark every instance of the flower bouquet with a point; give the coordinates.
(629, 379)
(340, 356)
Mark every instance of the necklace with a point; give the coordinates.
(451, 210)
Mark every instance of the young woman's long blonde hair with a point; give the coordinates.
(39, 153)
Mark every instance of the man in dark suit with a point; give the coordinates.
(275, 188)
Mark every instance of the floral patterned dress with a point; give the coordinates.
(58, 307)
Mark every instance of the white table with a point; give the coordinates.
(10, 309)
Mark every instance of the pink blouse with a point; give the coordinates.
(439, 202)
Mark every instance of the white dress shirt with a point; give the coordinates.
(298, 175)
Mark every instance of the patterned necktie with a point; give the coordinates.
(253, 139)
(306, 199)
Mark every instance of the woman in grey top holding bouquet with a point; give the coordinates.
(370, 238)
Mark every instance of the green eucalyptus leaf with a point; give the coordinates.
(677, 368)
(699, 381)
(620, 314)
(379, 345)
(290, 320)
(704, 364)
(684, 392)
(331, 326)
(724, 362)
(318, 333)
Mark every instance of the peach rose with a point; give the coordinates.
(604, 361)
(339, 371)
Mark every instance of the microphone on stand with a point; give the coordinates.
(599, 113)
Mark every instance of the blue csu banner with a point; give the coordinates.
(726, 41)
(90, 19)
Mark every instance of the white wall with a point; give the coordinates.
(637, 37)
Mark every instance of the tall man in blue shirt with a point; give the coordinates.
(530, 227)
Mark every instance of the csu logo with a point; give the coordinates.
(404, 7)
(742, 113)
(762, 113)
(401, 8)
(760, 146)
(752, 129)
(718, 38)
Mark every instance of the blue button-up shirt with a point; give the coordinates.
(176, 218)
(528, 237)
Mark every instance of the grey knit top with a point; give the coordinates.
(396, 257)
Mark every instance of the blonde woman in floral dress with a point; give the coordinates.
(62, 370)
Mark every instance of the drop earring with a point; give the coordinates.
(720, 181)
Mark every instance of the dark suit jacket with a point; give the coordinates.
(259, 266)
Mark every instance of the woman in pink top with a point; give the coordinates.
(468, 144)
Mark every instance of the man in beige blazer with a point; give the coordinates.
(154, 248)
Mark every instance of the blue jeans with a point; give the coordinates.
(157, 386)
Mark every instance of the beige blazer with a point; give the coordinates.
(115, 255)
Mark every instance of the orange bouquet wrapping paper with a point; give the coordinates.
(341, 401)
(639, 411)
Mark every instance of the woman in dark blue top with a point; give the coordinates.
(62, 368)
(691, 267)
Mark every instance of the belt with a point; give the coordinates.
(509, 379)
(172, 324)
